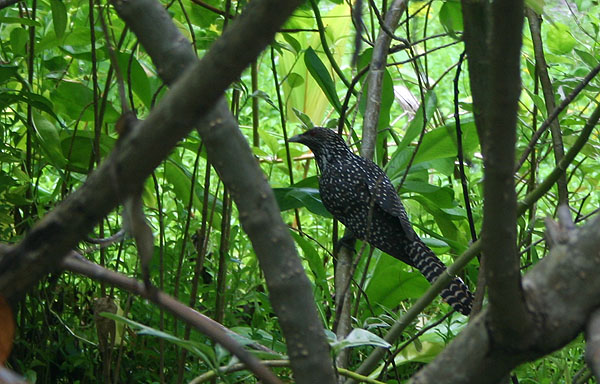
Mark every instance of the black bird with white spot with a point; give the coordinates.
(360, 195)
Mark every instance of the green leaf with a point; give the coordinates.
(359, 337)
(78, 150)
(437, 146)
(441, 142)
(589, 59)
(390, 283)
(559, 39)
(442, 196)
(294, 80)
(292, 42)
(48, 136)
(74, 99)
(264, 96)
(416, 124)
(536, 5)
(20, 21)
(319, 72)
(181, 181)
(59, 17)
(315, 262)
(451, 17)
(295, 197)
(7, 72)
(309, 198)
(304, 118)
(136, 77)
(201, 350)
(18, 39)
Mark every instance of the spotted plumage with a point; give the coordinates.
(360, 195)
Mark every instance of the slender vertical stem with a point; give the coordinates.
(161, 274)
(255, 100)
(280, 105)
(223, 255)
(28, 212)
(200, 244)
(186, 228)
(547, 90)
(460, 155)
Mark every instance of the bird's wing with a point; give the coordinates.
(386, 197)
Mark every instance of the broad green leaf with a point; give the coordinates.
(20, 21)
(59, 17)
(309, 198)
(292, 42)
(83, 52)
(437, 150)
(441, 142)
(417, 351)
(181, 181)
(37, 101)
(315, 262)
(137, 78)
(48, 136)
(7, 72)
(320, 73)
(537, 101)
(74, 99)
(359, 337)
(589, 59)
(443, 196)
(309, 98)
(78, 150)
(451, 17)
(390, 283)
(306, 122)
(201, 350)
(294, 80)
(295, 197)
(559, 39)
(536, 5)
(416, 124)
(18, 39)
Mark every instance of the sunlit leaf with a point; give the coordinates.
(559, 39)
(321, 75)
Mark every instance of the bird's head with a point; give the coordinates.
(325, 143)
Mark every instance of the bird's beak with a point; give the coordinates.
(295, 139)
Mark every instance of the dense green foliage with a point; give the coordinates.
(59, 110)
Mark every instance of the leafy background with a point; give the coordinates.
(60, 107)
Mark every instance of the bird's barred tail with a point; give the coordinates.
(456, 294)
